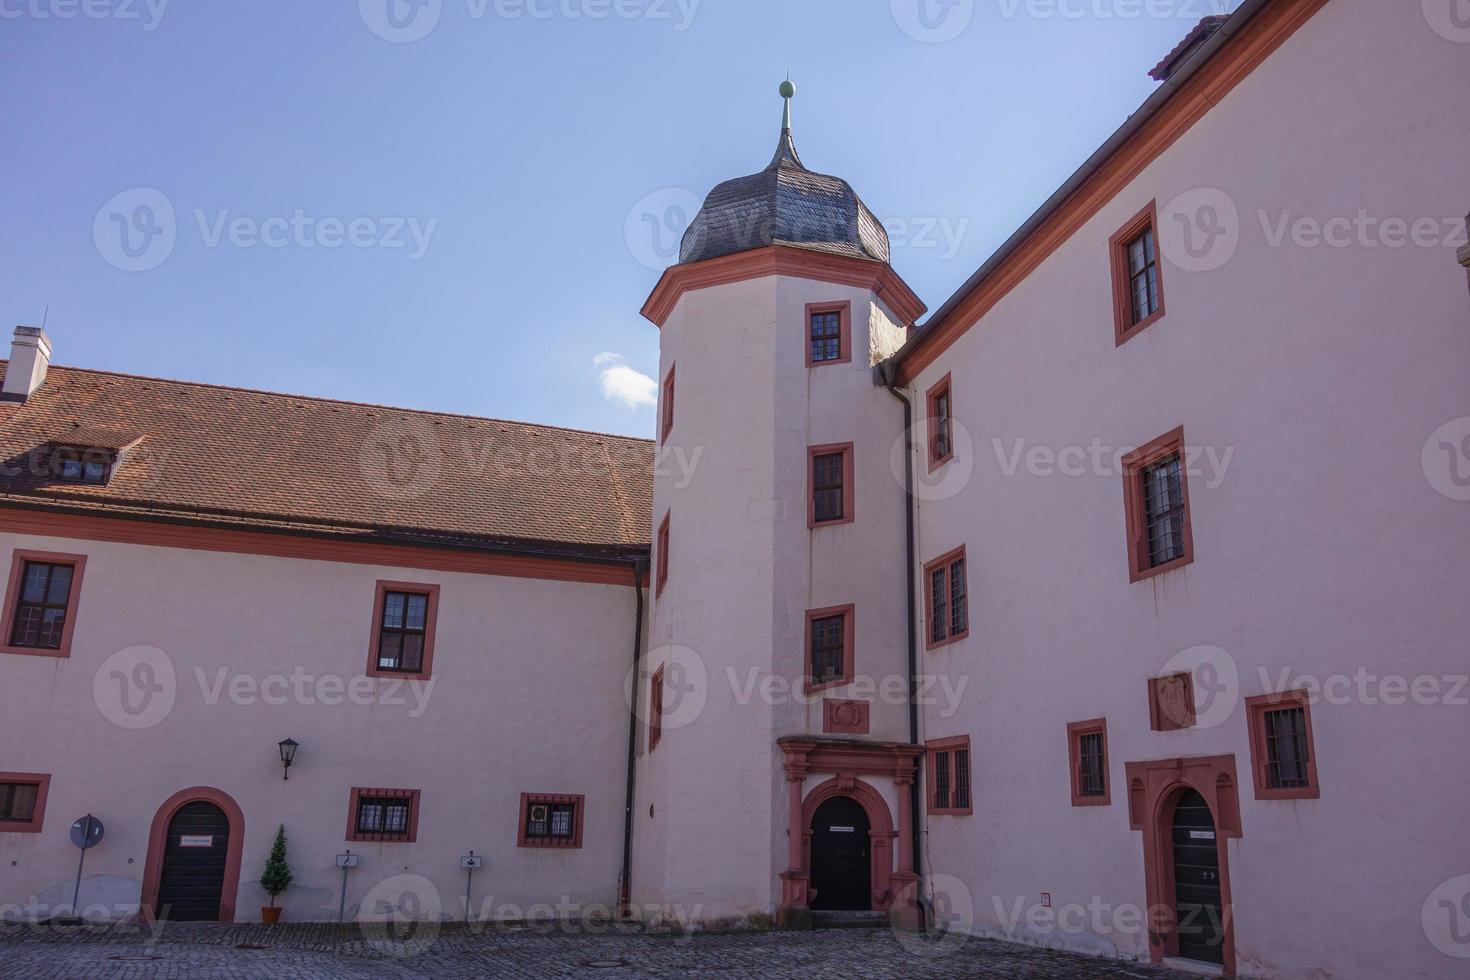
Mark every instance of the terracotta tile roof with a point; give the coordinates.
(258, 459)
(1197, 36)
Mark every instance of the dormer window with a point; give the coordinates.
(81, 464)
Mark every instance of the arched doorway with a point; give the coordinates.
(841, 869)
(193, 868)
(1198, 908)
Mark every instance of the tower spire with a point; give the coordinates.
(786, 148)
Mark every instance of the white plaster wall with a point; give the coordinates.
(1324, 548)
(526, 696)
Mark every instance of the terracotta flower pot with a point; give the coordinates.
(270, 915)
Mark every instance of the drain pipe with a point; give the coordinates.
(625, 884)
(885, 376)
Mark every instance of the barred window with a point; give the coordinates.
(384, 815)
(1286, 748)
(401, 638)
(949, 611)
(941, 780)
(551, 820)
(41, 606)
(962, 779)
(1283, 755)
(1090, 779)
(1143, 276)
(949, 775)
(941, 423)
(1163, 507)
(827, 648)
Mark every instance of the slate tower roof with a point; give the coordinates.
(784, 204)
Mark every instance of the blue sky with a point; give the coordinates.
(465, 220)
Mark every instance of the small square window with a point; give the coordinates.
(41, 603)
(1138, 286)
(79, 464)
(23, 801)
(549, 820)
(946, 588)
(1156, 502)
(405, 616)
(949, 775)
(385, 816)
(831, 495)
(941, 424)
(829, 333)
(829, 647)
(1283, 755)
(1087, 748)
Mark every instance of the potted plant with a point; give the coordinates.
(276, 878)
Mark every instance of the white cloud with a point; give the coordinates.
(620, 383)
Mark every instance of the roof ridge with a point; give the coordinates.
(341, 401)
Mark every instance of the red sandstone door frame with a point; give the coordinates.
(157, 844)
(1153, 789)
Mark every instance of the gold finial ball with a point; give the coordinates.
(788, 89)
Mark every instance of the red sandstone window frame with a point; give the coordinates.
(849, 494)
(849, 639)
(1160, 718)
(42, 782)
(1134, 465)
(946, 561)
(1075, 731)
(666, 406)
(368, 793)
(1124, 329)
(656, 708)
(528, 800)
(941, 389)
(1256, 710)
(844, 311)
(949, 747)
(18, 561)
(431, 623)
(661, 578)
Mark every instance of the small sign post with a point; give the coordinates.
(85, 833)
(470, 862)
(346, 860)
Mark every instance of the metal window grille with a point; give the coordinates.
(1286, 748)
(17, 801)
(962, 778)
(826, 337)
(1143, 276)
(1091, 780)
(40, 612)
(827, 648)
(551, 823)
(959, 619)
(939, 604)
(827, 486)
(941, 780)
(384, 815)
(1163, 510)
(942, 438)
(401, 639)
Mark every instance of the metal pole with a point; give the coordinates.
(469, 905)
(76, 892)
(342, 905)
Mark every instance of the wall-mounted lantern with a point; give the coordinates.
(288, 752)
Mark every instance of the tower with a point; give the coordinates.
(777, 680)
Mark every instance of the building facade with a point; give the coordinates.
(1116, 606)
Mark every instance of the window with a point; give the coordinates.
(829, 647)
(1138, 287)
(666, 417)
(41, 603)
(831, 498)
(662, 557)
(79, 464)
(385, 816)
(404, 620)
(949, 775)
(1171, 702)
(1282, 753)
(941, 424)
(1156, 497)
(1087, 746)
(22, 801)
(829, 333)
(655, 708)
(550, 821)
(948, 599)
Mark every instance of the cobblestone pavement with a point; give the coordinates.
(287, 952)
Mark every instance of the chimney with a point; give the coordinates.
(30, 356)
(1192, 42)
